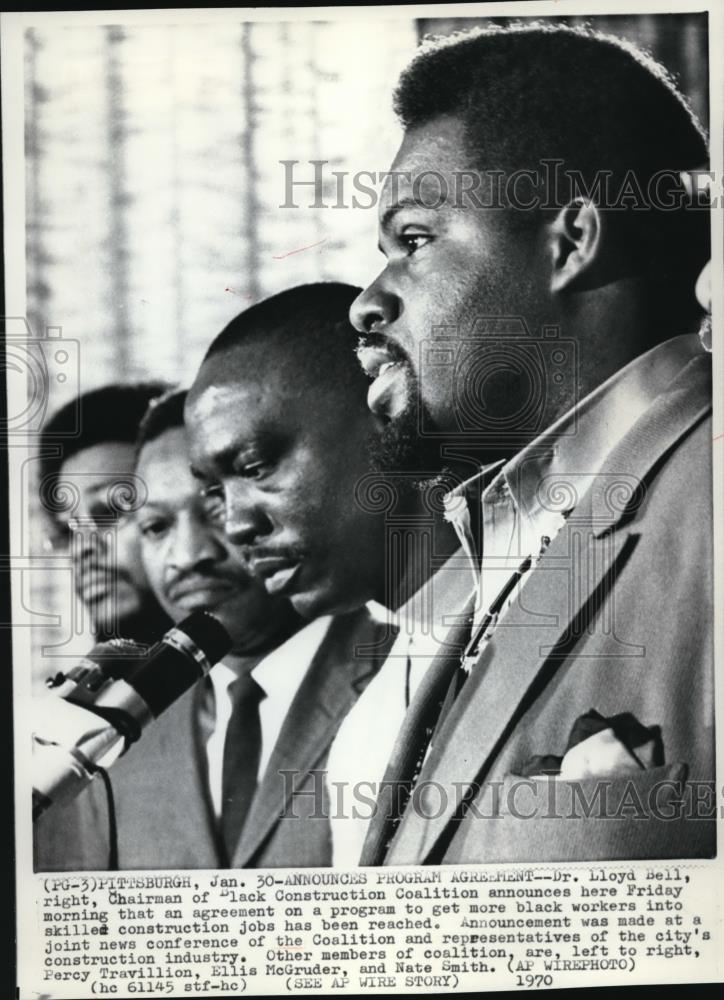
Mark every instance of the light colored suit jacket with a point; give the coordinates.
(164, 815)
(617, 617)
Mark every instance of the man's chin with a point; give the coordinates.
(141, 622)
(109, 613)
(310, 605)
(324, 600)
(401, 448)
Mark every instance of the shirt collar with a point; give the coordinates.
(380, 614)
(221, 676)
(581, 440)
(283, 670)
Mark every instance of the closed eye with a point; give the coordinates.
(154, 529)
(104, 513)
(213, 490)
(253, 470)
(214, 504)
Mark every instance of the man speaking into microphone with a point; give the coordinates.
(273, 704)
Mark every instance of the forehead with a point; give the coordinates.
(245, 388)
(428, 152)
(163, 464)
(95, 470)
(101, 462)
(107, 459)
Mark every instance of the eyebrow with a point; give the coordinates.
(196, 473)
(406, 203)
(223, 458)
(152, 507)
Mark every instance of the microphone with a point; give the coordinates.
(100, 708)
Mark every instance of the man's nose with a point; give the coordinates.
(244, 519)
(194, 544)
(87, 541)
(376, 307)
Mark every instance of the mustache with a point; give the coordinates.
(250, 553)
(92, 567)
(380, 341)
(195, 578)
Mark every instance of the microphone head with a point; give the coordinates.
(181, 658)
(208, 634)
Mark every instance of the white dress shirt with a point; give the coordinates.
(363, 744)
(279, 674)
(523, 505)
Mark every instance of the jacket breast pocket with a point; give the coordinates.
(652, 814)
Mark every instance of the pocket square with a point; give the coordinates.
(600, 747)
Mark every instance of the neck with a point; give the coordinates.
(422, 549)
(253, 647)
(241, 664)
(610, 326)
(145, 628)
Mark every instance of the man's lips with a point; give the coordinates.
(389, 394)
(373, 359)
(95, 585)
(388, 365)
(375, 352)
(277, 572)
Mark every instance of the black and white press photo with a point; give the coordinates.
(365, 453)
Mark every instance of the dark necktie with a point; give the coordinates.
(472, 650)
(433, 701)
(242, 752)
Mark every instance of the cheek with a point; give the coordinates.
(305, 490)
(128, 554)
(439, 300)
(152, 565)
(249, 607)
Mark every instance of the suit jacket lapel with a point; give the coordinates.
(534, 634)
(553, 610)
(194, 806)
(165, 805)
(326, 694)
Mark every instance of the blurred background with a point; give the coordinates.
(154, 190)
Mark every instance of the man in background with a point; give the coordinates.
(88, 490)
(554, 327)
(162, 790)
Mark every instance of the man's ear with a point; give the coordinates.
(575, 241)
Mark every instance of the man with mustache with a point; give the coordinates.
(282, 439)
(88, 489)
(535, 325)
(209, 784)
